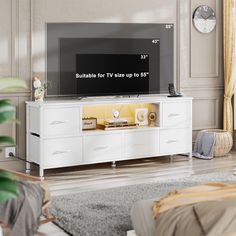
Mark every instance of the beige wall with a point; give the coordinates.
(200, 66)
(15, 54)
(198, 56)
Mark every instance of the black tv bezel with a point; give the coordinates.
(137, 93)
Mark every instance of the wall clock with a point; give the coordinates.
(204, 19)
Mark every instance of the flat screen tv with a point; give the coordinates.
(102, 59)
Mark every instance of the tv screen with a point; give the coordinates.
(101, 66)
(119, 67)
(112, 73)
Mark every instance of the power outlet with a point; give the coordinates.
(9, 150)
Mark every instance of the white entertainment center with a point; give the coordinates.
(55, 137)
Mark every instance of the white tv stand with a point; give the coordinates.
(55, 137)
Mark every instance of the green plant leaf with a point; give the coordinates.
(6, 140)
(5, 101)
(6, 111)
(9, 84)
(5, 195)
(8, 186)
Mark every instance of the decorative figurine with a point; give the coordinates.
(39, 89)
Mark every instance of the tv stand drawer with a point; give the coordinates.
(103, 147)
(175, 141)
(61, 122)
(62, 152)
(176, 114)
(141, 144)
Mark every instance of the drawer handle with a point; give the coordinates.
(60, 152)
(139, 144)
(172, 141)
(173, 115)
(100, 148)
(57, 122)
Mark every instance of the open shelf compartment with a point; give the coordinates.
(127, 111)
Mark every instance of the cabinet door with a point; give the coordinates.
(176, 114)
(175, 141)
(141, 144)
(62, 152)
(105, 147)
(61, 122)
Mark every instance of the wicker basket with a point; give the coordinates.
(223, 141)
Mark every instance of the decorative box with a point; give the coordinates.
(89, 123)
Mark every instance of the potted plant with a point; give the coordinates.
(8, 186)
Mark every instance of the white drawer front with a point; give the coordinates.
(175, 141)
(106, 147)
(138, 144)
(61, 122)
(176, 114)
(34, 120)
(62, 152)
(34, 149)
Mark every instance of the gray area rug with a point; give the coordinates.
(107, 212)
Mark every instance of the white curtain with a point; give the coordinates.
(229, 37)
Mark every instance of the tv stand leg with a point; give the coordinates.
(171, 157)
(27, 168)
(190, 156)
(41, 172)
(113, 164)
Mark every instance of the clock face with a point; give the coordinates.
(141, 116)
(204, 19)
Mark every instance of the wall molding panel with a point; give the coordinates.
(201, 54)
(204, 59)
(205, 113)
(15, 61)
(201, 69)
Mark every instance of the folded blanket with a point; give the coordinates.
(202, 193)
(204, 146)
(199, 219)
(208, 209)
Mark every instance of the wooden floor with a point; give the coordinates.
(101, 176)
(94, 177)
